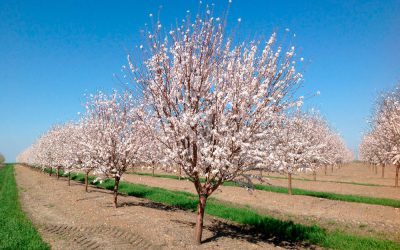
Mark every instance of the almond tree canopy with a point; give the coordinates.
(213, 101)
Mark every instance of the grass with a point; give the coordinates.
(298, 191)
(269, 227)
(16, 231)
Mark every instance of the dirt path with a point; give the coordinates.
(69, 218)
(354, 172)
(342, 188)
(360, 217)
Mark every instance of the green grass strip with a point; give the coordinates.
(16, 230)
(270, 227)
(297, 191)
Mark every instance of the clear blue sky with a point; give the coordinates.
(52, 52)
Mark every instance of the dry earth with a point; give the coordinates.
(342, 188)
(355, 172)
(69, 218)
(356, 217)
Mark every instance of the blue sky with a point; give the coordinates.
(52, 52)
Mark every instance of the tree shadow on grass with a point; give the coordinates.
(281, 233)
(221, 229)
(252, 227)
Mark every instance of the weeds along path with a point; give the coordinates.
(16, 231)
(359, 218)
(69, 218)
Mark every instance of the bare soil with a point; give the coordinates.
(374, 220)
(69, 218)
(341, 188)
(355, 172)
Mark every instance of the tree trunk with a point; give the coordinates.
(383, 171)
(180, 172)
(314, 175)
(332, 168)
(116, 185)
(69, 178)
(200, 217)
(58, 173)
(153, 172)
(290, 183)
(397, 176)
(86, 181)
(376, 169)
(51, 171)
(325, 168)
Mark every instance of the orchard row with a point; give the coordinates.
(197, 103)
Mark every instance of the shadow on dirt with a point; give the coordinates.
(153, 205)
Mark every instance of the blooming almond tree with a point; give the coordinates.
(114, 137)
(388, 131)
(47, 153)
(381, 145)
(213, 101)
(299, 144)
(2, 159)
(72, 149)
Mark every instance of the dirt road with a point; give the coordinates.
(355, 172)
(342, 188)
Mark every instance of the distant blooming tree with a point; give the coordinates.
(303, 142)
(381, 146)
(71, 138)
(213, 102)
(48, 150)
(113, 136)
(2, 159)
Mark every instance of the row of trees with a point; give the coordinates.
(381, 145)
(112, 137)
(305, 143)
(197, 102)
